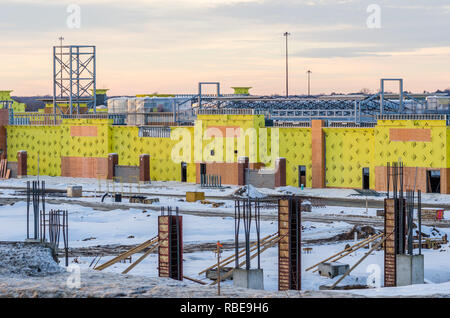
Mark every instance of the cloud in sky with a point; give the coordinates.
(168, 46)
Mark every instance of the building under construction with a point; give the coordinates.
(321, 141)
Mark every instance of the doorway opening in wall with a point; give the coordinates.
(365, 178)
(202, 169)
(301, 176)
(434, 181)
(183, 172)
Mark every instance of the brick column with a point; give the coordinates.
(113, 160)
(390, 266)
(170, 251)
(280, 172)
(21, 164)
(445, 181)
(3, 142)
(318, 153)
(4, 120)
(242, 165)
(289, 246)
(144, 168)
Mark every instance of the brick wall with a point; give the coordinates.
(78, 167)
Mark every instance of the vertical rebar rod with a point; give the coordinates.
(298, 242)
(388, 174)
(28, 210)
(419, 216)
(66, 235)
(43, 210)
(258, 229)
(237, 220)
(247, 224)
(179, 260)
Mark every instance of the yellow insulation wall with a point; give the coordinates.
(347, 152)
(86, 147)
(412, 153)
(295, 146)
(125, 141)
(246, 122)
(42, 141)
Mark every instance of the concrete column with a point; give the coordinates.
(318, 153)
(280, 172)
(242, 165)
(113, 160)
(21, 164)
(144, 168)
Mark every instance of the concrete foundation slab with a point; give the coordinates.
(410, 270)
(253, 278)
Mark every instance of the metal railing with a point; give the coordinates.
(34, 119)
(412, 117)
(232, 111)
(300, 124)
(334, 124)
(210, 181)
(41, 119)
(313, 113)
(157, 132)
(6, 104)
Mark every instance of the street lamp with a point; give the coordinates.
(286, 34)
(309, 82)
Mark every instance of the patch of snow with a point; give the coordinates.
(249, 191)
(27, 259)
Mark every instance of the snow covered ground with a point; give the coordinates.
(179, 188)
(436, 266)
(88, 227)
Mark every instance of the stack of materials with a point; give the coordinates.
(131, 118)
(4, 171)
(118, 105)
(142, 106)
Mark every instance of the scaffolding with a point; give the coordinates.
(74, 78)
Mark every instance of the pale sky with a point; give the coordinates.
(168, 46)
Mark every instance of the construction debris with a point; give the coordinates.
(249, 191)
(213, 204)
(143, 200)
(362, 232)
(212, 274)
(150, 245)
(74, 191)
(333, 269)
(4, 171)
(195, 196)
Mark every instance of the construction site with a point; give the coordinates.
(222, 195)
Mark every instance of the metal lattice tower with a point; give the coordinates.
(74, 77)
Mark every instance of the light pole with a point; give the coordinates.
(61, 39)
(286, 34)
(309, 82)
